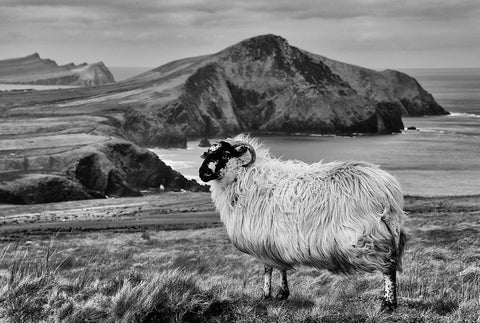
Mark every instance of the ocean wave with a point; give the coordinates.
(465, 115)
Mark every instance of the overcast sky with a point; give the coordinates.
(370, 33)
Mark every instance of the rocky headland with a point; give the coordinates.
(388, 87)
(91, 137)
(34, 70)
(83, 169)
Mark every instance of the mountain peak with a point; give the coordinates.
(268, 43)
(267, 38)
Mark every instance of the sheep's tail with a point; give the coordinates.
(397, 246)
(401, 247)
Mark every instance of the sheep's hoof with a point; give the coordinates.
(388, 307)
(282, 295)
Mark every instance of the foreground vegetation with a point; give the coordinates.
(197, 275)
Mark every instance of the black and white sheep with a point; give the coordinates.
(345, 217)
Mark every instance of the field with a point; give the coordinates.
(162, 272)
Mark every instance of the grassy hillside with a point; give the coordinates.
(197, 275)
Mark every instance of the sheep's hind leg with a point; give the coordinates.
(389, 302)
(267, 284)
(284, 292)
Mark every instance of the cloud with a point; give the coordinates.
(193, 27)
(300, 9)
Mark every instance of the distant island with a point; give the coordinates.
(34, 70)
(86, 142)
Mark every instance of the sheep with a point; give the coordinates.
(345, 217)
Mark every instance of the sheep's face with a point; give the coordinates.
(224, 159)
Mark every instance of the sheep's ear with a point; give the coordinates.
(242, 149)
(215, 147)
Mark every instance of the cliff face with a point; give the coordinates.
(397, 89)
(34, 70)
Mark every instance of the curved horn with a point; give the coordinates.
(251, 150)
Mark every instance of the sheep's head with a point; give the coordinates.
(225, 158)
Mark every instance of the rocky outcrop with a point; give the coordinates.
(41, 188)
(34, 70)
(204, 143)
(121, 168)
(114, 168)
(393, 88)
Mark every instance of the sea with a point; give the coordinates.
(440, 158)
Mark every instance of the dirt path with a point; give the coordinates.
(164, 210)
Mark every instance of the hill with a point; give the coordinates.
(34, 70)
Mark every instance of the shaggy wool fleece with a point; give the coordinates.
(340, 216)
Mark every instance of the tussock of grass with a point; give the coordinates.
(171, 294)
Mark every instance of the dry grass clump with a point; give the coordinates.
(34, 291)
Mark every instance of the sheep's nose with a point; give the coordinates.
(203, 156)
(206, 174)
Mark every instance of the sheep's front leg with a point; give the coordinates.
(267, 284)
(389, 302)
(283, 293)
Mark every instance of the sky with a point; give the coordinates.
(149, 33)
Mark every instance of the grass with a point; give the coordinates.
(198, 276)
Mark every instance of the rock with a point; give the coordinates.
(42, 189)
(204, 143)
(120, 168)
(115, 168)
(34, 70)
